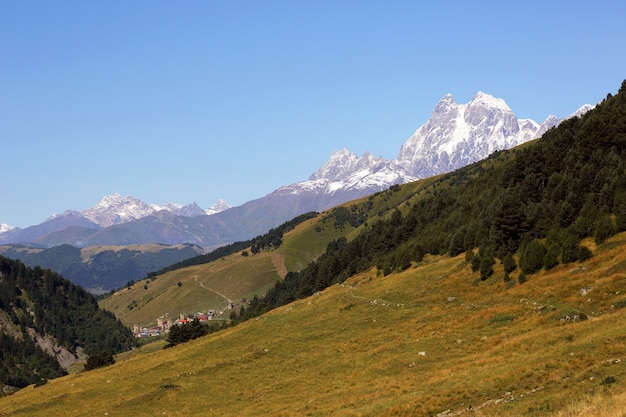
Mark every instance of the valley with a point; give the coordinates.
(495, 289)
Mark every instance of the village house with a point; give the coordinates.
(163, 324)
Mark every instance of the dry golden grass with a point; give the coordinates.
(596, 406)
(416, 343)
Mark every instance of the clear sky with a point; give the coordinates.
(199, 100)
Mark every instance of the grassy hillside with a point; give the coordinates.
(528, 208)
(197, 288)
(214, 284)
(234, 277)
(429, 339)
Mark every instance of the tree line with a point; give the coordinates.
(535, 203)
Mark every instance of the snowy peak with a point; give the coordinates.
(115, 209)
(485, 100)
(339, 163)
(582, 110)
(460, 134)
(444, 105)
(342, 164)
(455, 135)
(347, 175)
(219, 206)
(5, 228)
(190, 210)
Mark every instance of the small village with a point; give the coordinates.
(164, 324)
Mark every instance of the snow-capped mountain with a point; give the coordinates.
(346, 172)
(454, 136)
(115, 209)
(459, 134)
(190, 210)
(219, 206)
(5, 228)
(111, 210)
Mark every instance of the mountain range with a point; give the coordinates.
(454, 136)
(495, 289)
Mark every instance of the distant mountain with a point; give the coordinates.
(31, 234)
(103, 268)
(346, 177)
(115, 209)
(74, 227)
(455, 135)
(219, 206)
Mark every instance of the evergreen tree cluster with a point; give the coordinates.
(536, 202)
(42, 300)
(23, 363)
(99, 360)
(188, 331)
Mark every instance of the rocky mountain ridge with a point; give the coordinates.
(115, 209)
(454, 136)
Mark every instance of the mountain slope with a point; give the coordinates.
(418, 342)
(532, 197)
(75, 228)
(536, 202)
(47, 324)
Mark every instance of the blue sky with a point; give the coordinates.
(200, 100)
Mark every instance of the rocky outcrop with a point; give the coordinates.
(49, 345)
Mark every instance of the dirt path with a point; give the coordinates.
(195, 278)
(278, 261)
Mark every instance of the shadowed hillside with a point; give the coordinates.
(47, 324)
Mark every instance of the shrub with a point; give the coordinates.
(475, 263)
(551, 259)
(99, 360)
(508, 262)
(532, 256)
(604, 230)
(583, 253)
(501, 319)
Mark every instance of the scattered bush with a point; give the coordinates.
(99, 360)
